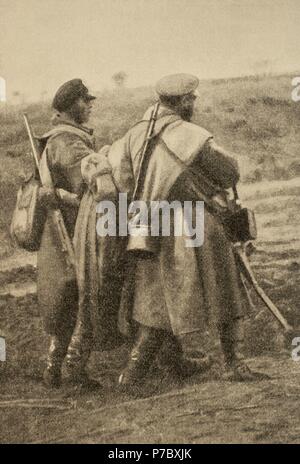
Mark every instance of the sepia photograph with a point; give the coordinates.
(149, 224)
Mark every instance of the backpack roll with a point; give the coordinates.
(29, 216)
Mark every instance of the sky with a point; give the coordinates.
(46, 42)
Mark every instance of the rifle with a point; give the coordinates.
(145, 147)
(245, 219)
(55, 214)
(247, 272)
(138, 243)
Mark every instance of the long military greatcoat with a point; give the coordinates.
(66, 146)
(180, 289)
(99, 258)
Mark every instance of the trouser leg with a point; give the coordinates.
(56, 354)
(170, 355)
(142, 355)
(61, 333)
(232, 336)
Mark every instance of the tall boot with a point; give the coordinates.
(142, 355)
(78, 354)
(59, 342)
(231, 337)
(56, 354)
(170, 356)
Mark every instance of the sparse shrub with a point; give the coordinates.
(252, 100)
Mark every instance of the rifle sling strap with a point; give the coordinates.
(153, 141)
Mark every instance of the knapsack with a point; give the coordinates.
(29, 216)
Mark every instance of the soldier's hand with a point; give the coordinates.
(47, 197)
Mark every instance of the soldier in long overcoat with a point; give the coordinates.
(66, 145)
(179, 291)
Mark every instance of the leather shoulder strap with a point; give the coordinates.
(159, 128)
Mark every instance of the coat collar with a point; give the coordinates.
(57, 119)
(163, 111)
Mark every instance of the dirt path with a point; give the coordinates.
(208, 412)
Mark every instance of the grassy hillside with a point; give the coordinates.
(253, 116)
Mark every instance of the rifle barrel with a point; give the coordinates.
(145, 148)
(32, 142)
